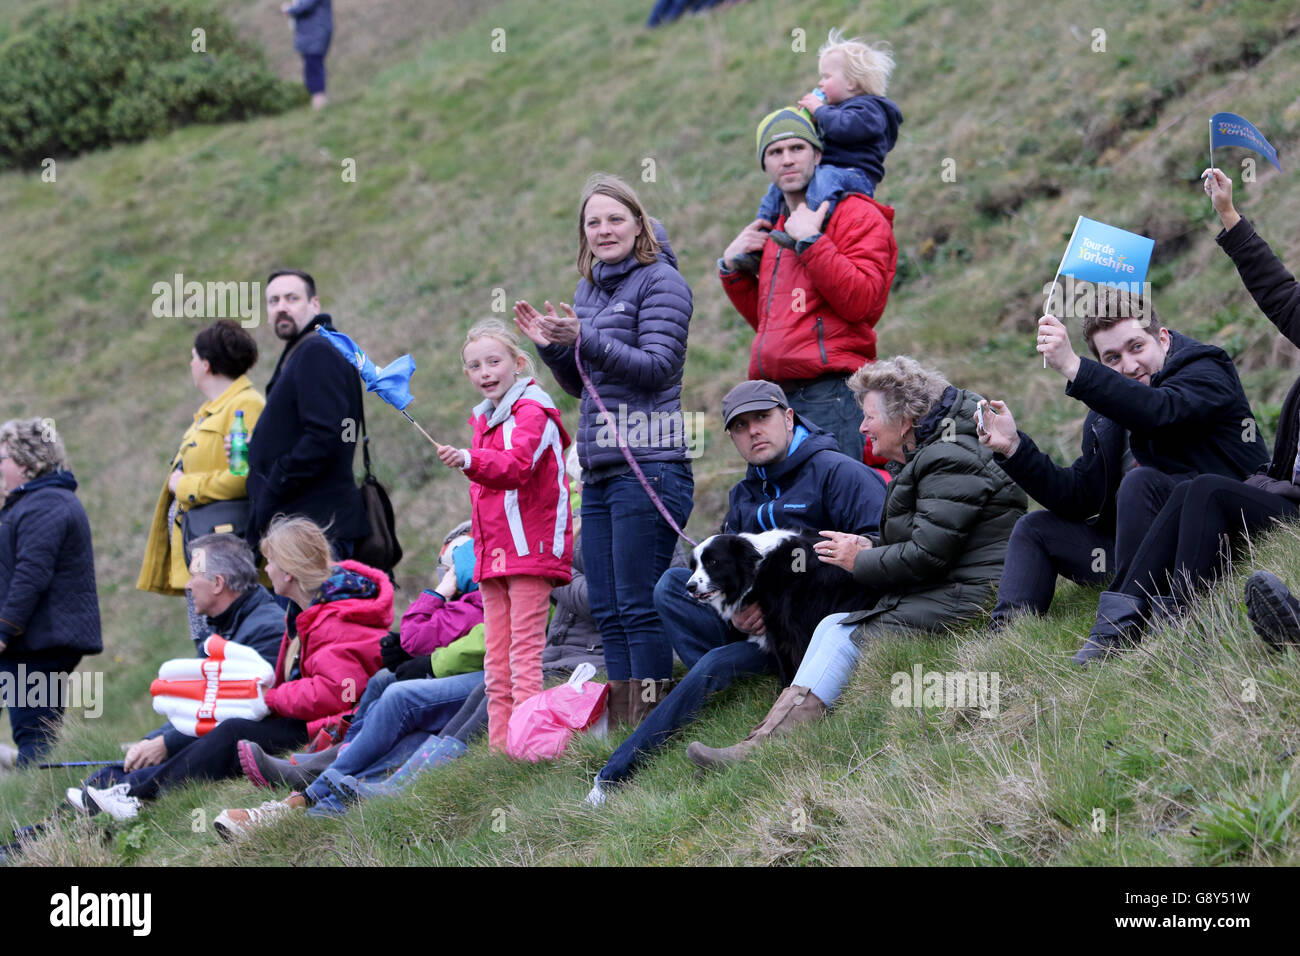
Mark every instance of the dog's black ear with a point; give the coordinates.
(743, 552)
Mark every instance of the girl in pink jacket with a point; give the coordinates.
(522, 525)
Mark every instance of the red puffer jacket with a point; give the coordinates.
(519, 488)
(815, 312)
(338, 652)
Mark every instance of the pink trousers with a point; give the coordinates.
(514, 624)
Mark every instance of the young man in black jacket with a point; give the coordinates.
(300, 454)
(1162, 408)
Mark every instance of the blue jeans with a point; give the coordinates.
(379, 682)
(704, 643)
(828, 182)
(313, 72)
(35, 728)
(406, 710)
(829, 402)
(626, 546)
(829, 660)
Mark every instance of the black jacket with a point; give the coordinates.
(1192, 419)
(300, 454)
(48, 604)
(1085, 491)
(814, 488)
(1277, 294)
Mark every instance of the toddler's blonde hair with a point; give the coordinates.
(867, 66)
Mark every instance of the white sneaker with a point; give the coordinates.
(598, 794)
(114, 801)
(8, 757)
(230, 824)
(77, 797)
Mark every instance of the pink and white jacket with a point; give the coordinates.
(519, 488)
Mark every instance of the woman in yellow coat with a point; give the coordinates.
(200, 473)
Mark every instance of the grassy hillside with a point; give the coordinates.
(468, 166)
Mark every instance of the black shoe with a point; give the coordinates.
(1097, 649)
(1120, 622)
(1273, 612)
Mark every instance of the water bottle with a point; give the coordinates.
(820, 95)
(239, 446)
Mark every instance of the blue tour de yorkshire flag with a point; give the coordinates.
(1107, 255)
(392, 383)
(1229, 129)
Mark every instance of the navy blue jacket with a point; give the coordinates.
(313, 26)
(859, 132)
(48, 602)
(813, 488)
(634, 321)
(255, 621)
(1192, 419)
(298, 460)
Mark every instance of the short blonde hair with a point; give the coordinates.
(908, 390)
(867, 66)
(646, 247)
(34, 445)
(300, 548)
(496, 329)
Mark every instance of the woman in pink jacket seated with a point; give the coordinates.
(330, 648)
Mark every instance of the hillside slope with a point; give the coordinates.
(468, 166)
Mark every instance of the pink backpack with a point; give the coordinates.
(541, 726)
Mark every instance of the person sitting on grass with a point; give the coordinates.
(1162, 408)
(329, 649)
(943, 536)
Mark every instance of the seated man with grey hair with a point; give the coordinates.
(223, 583)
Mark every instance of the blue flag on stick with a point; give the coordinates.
(392, 383)
(1229, 129)
(1103, 254)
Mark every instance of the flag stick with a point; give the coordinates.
(1057, 277)
(417, 425)
(1211, 142)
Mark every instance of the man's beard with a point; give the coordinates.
(286, 331)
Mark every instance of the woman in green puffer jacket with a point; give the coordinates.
(948, 515)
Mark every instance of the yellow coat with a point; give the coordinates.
(206, 478)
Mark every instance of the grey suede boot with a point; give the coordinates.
(1121, 618)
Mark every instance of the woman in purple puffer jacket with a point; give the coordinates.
(633, 310)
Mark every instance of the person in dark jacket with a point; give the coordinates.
(223, 587)
(1182, 550)
(796, 479)
(49, 609)
(633, 310)
(313, 28)
(943, 535)
(572, 637)
(300, 455)
(1184, 413)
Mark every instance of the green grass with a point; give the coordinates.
(469, 164)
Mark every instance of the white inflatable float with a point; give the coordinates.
(197, 693)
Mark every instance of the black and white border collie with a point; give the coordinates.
(781, 572)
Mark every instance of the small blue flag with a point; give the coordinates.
(1103, 254)
(392, 383)
(1229, 129)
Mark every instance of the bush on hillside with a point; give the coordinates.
(117, 71)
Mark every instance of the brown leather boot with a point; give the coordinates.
(617, 703)
(796, 705)
(644, 697)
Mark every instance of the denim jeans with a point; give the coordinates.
(829, 402)
(829, 660)
(405, 708)
(827, 183)
(1043, 545)
(379, 682)
(626, 546)
(35, 728)
(705, 645)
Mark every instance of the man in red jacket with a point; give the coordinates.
(815, 306)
